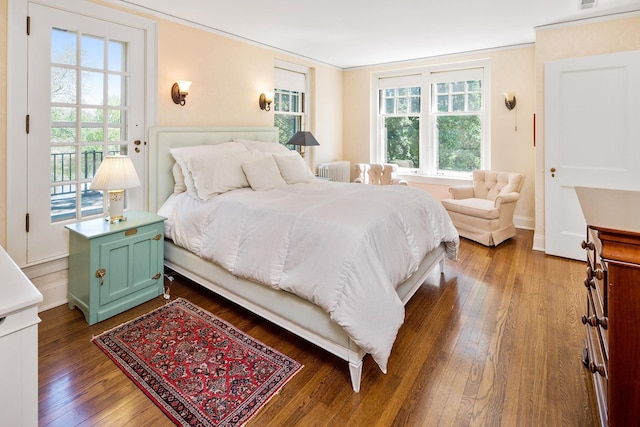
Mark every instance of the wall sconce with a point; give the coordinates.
(265, 101)
(510, 103)
(115, 174)
(510, 100)
(179, 91)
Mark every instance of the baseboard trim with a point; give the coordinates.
(524, 222)
(52, 280)
(539, 242)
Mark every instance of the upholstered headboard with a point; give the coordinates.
(161, 139)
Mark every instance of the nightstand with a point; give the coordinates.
(113, 267)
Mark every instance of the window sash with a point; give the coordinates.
(427, 78)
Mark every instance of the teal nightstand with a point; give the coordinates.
(113, 267)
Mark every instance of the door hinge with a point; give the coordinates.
(27, 222)
(28, 25)
(27, 123)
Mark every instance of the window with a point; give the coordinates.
(85, 124)
(432, 122)
(290, 100)
(399, 117)
(288, 113)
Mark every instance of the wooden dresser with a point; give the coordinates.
(612, 316)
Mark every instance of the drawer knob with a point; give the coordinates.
(592, 320)
(587, 245)
(157, 237)
(597, 368)
(598, 273)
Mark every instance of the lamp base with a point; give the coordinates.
(114, 219)
(116, 207)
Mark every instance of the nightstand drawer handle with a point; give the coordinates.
(158, 237)
(100, 275)
(157, 276)
(131, 232)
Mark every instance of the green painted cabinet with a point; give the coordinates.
(113, 267)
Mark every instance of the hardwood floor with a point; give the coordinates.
(496, 341)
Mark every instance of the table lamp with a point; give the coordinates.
(115, 174)
(303, 139)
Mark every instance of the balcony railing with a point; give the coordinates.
(63, 195)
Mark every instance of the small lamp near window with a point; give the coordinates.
(303, 139)
(265, 101)
(179, 91)
(115, 174)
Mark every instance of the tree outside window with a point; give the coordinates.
(287, 114)
(400, 109)
(458, 129)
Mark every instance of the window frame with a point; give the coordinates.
(427, 172)
(302, 88)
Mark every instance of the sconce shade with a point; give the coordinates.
(179, 91)
(115, 174)
(303, 138)
(510, 100)
(265, 101)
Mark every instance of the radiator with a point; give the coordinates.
(339, 171)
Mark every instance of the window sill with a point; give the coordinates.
(434, 179)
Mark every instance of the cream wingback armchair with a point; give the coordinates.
(484, 212)
(377, 174)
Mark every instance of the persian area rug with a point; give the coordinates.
(199, 369)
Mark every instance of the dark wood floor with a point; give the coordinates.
(496, 341)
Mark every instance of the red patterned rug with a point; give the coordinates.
(199, 369)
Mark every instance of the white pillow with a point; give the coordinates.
(263, 174)
(293, 168)
(265, 147)
(178, 178)
(224, 173)
(196, 161)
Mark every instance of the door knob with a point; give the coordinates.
(553, 172)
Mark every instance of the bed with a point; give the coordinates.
(279, 304)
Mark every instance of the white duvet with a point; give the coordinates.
(342, 246)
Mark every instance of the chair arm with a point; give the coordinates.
(506, 198)
(399, 181)
(461, 191)
(358, 180)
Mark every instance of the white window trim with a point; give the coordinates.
(426, 174)
(306, 111)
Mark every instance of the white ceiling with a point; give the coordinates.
(352, 33)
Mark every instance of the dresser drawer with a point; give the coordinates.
(597, 273)
(18, 320)
(594, 360)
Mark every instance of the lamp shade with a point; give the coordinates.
(184, 86)
(303, 138)
(115, 173)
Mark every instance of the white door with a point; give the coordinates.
(86, 100)
(592, 139)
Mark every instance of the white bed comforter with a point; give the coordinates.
(342, 246)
